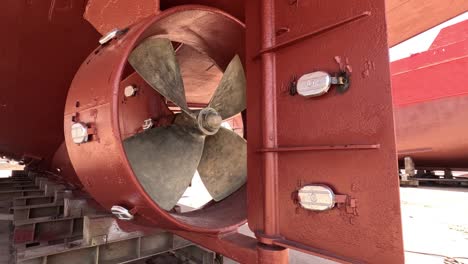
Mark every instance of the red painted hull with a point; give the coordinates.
(434, 133)
(431, 102)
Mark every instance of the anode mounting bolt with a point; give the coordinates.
(130, 91)
(147, 124)
(79, 133)
(110, 36)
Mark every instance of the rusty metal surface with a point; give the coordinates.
(370, 229)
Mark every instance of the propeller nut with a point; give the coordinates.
(209, 121)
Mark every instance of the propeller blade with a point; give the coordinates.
(223, 166)
(229, 98)
(155, 61)
(164, 159)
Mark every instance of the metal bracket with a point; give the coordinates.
(350, 204)
(112, 35)
(122, 213)
(342, 81)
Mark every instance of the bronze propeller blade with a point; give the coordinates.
(223, 166)
(164, 159)
(229, 98)
(155, 61)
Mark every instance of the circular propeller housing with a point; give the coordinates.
(152, 154)
(148, 170)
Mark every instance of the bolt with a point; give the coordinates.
(110, 36)
(147, 124)
(79, 133)
(130, 91)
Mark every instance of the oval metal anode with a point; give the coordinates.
(316, 197)
(314, 84)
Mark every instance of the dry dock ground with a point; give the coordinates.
(435, 226)
(435, 220)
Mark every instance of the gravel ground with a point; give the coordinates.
(435, 220)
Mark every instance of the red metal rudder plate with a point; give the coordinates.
(342, 140)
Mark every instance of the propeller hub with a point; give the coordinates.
(209, 121)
